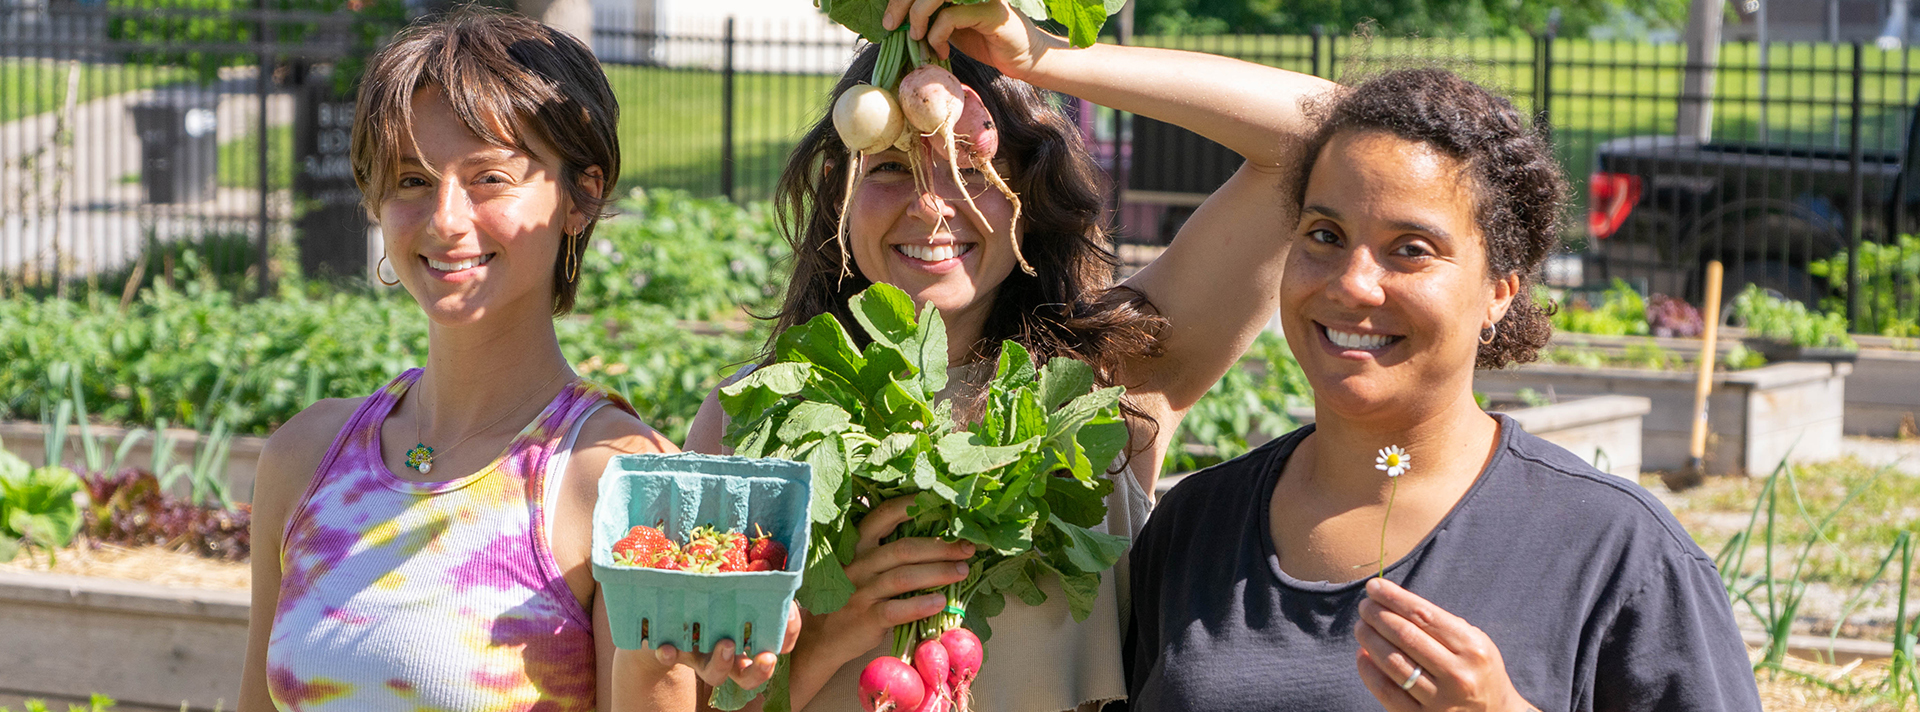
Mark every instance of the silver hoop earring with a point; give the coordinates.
(1493, 332)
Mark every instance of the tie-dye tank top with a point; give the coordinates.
(431, 595)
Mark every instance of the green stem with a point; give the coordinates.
(1392, 489)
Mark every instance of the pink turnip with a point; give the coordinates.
(932, 99)
(982, 139)
(889, 684)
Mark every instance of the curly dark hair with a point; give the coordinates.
(1069, 308)
(1519, 191)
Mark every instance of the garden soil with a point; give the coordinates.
(151, 564)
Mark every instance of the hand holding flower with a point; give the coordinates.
(1451, 664)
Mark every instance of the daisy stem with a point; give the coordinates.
(1392, 489)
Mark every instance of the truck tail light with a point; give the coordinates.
(1610, 199)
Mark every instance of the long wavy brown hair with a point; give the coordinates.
(1069, 308)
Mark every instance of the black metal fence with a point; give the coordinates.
(130, 129)
(1790, 167)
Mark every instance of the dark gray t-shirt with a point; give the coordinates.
(1596, 597)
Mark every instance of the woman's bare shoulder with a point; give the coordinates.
(293, 453)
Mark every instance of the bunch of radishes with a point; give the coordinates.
(931, 117)
(935, 676)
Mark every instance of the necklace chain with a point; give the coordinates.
(420, 456)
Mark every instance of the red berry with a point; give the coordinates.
(764, 548)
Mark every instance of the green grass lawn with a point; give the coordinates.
(670, 126)
(240, 160)
(32, 86)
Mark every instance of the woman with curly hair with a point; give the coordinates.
(1167, 333)
(1510, 575)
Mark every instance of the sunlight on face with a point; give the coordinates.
(481, 236)
(929, 243)
(1386, 289)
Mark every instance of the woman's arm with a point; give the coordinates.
(1218, 283)
(287, 466)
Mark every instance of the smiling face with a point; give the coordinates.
(929, 243)
(1386, 290)
(481, 236)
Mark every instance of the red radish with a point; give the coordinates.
(889, 684)
(930, 658)
(964, 655)
(983, 143)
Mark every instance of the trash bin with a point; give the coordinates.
(179, 148)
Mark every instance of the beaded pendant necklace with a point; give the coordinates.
(420, 456)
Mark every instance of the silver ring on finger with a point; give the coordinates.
(1411, 679)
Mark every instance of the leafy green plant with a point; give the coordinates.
(1621, 312)
(1770, 317)
(701, 258)
(1889, 276)
(37, 508)
(1252, 397)
(1022, 482)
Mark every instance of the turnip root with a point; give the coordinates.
(889, 684)
(868, 120)
(931, 99)
(964, 656)
(983, 143)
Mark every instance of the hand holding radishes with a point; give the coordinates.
(1459, 667)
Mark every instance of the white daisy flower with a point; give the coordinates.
(1393, 461)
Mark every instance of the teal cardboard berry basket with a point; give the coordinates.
(678, 493)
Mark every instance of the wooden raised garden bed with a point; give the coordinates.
(1883, 396)
(1755, 417)
(150, 647)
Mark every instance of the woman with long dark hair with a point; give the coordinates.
(1166, 333)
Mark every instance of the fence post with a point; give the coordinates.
(263, 84)
(1319, 33)
(1543, 84)
(1854, 187)
(726, 112)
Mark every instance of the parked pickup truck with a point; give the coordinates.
(1661, 206)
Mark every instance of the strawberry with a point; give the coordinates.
(764, 548)
(644, 546)
(761, 565)
(706, 550)
(734, 556)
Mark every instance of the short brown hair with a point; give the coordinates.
(1519, 191)
(498, 71)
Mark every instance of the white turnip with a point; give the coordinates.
(868, 120)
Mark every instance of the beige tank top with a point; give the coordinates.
(1039, 659)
